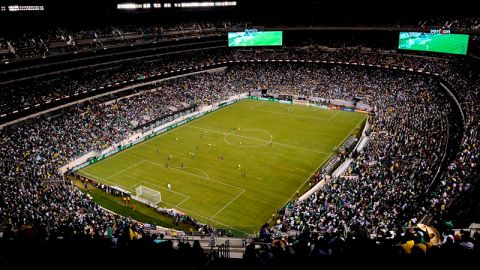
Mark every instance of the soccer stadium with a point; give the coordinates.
(231, 135)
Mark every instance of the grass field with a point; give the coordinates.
(236, 166)
(141, 212)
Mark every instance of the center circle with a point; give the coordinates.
(248, 138)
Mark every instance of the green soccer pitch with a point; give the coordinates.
(232, 168)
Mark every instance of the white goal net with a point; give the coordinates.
(149, 194)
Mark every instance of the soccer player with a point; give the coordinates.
(169, 187)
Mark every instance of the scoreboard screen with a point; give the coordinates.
(436, 41)
(255, 38)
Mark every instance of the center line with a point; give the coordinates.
(252, 138)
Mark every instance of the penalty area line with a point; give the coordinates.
(225, 206)
(204, 217)
(178, 205)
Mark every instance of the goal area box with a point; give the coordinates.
(148, 194)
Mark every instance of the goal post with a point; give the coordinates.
(148, 194)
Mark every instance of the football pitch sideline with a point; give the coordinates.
(232, 168)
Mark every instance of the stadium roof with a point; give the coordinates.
(279, 11)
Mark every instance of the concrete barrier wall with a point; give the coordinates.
(342, 168)
(315, 188)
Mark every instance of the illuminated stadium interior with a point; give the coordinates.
(229, 134)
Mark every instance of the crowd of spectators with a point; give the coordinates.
(394, 171)
(29, 93)
(457, 23)
(63, 40)
(407, 244)
(461, 175)
(407, 143)
(389, 194)
(31, 246)
(30, 159)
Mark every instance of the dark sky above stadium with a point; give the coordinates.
(321, 6)
(278, 11)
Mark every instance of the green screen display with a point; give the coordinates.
(433, 42)
(254, 38)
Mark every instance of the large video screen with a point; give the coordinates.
(434, 42)
(255, 38)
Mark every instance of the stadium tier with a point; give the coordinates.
(244, 144)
